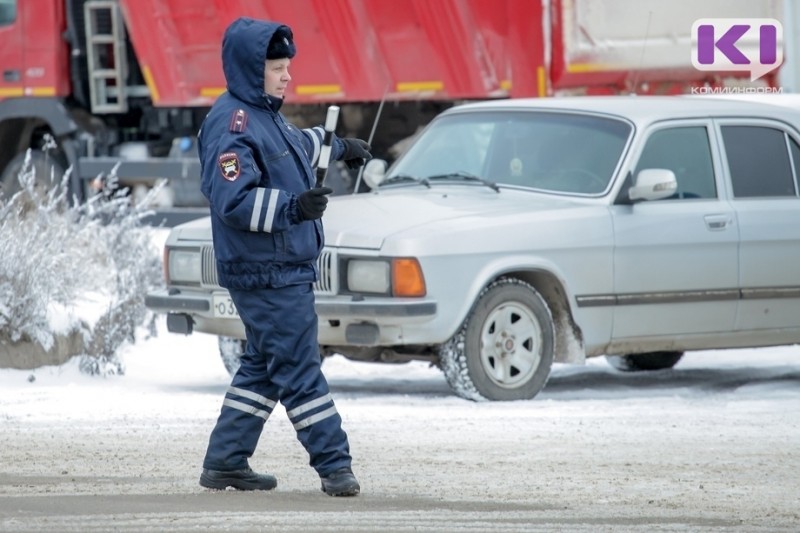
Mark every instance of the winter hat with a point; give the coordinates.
(281, 45)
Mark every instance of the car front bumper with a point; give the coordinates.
(343, 320)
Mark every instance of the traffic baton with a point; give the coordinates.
(325, 152)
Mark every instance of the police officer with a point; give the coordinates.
(266, 222)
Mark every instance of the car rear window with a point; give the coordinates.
(759, 161)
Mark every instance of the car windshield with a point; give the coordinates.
(550, 151)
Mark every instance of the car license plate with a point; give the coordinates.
(223, 306)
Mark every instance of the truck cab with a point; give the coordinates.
(10, 47)
(34, 61)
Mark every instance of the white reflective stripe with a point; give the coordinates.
(249, 409)
(257, 208)
(316, 135)
(322, 415)
(309, 405)
(270, 217)
(244, 393)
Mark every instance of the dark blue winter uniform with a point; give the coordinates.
(254, 165)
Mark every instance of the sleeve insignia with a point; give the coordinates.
(229, 165)
(238, 121)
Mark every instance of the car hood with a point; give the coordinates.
(195, 230)
(366, 220)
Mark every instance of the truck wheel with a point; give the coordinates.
(42, 165)
(505, 348)
(230, 350)
(644, 361)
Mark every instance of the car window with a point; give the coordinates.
(558, 152)
(8, 12)
(794, 149)
(759, 161)
(452, 146)
(686, 152)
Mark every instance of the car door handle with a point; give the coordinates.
(718, 222)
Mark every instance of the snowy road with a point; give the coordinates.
(713, 444)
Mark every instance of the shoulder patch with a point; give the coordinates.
(238, 121)
(229, 165)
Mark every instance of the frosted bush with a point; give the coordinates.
(53, 252)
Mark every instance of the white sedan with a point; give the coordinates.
(517, 233)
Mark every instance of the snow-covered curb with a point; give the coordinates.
(25, 355)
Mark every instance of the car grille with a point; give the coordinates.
(326, 266)
(209, 266)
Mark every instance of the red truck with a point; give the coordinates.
(129, 81)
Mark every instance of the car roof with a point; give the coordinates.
(790, 100)
(651, 108)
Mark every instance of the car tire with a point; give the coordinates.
(230, 350)
(644, 361)
(485, 361)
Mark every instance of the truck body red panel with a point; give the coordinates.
(365, 50)
(349, 51)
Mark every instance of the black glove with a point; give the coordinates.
(313, 203)
(356, 153)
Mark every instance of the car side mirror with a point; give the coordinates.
(374, 172)
(653, 184)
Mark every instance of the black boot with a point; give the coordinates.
(340, 483)
(244, 479)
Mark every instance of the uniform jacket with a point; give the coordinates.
(254, 165)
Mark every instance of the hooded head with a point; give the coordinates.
(246, 45)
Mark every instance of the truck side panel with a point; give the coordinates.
(644, 46)
(177, 44)
(349, 50)
(363, 50)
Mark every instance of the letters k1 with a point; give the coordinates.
(752, 45)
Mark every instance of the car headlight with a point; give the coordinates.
(368, 276)
(185, 265)
(400, 276)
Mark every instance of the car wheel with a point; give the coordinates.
(230, 350)
(644, 361)
(504, 350)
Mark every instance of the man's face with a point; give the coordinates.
(276, 77)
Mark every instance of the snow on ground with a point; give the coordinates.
(711, 444)
(175, 362)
